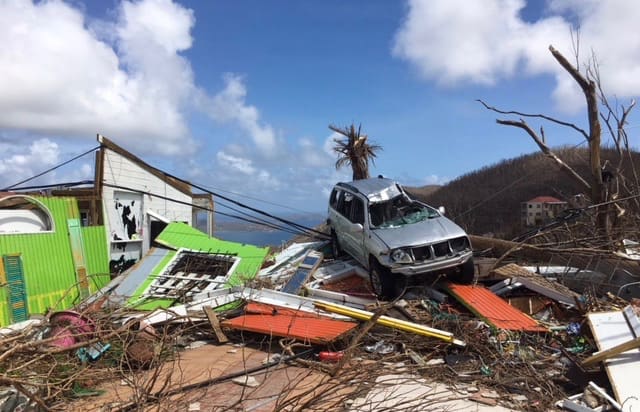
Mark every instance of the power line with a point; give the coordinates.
(290, 226)
(292, 230)
(261, 212)
(256, 199)
(50, 169)
(54, 185)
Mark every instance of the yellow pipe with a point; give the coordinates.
(389, 322)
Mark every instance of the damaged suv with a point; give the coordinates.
(394, 236)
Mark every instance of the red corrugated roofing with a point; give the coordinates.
(493, 309)
(290, 323)
(257, 308)
(545, 199)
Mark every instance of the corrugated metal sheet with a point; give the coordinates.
(277, 321)
(49, 270)
(179, 235)
(96, 255)
(493, 309)
(257, 308)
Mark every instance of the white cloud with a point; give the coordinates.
(456, 42)
(235, 163)
(58, 76)
(230, 106)
(242, 171)
(313, 156)
(22, 162)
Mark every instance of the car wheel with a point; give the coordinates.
(466, 273)
(383, 283)
(336, 250)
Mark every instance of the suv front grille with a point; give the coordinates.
(436, 250)
(441, 249)
(421, 253)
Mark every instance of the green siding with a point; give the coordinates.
(49, 269)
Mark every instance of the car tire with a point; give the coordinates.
(336, 250)
(383, 283)
(465, 273)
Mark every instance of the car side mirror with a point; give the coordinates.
(441, 210)
(359, 227)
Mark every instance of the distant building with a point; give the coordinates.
(541, 209)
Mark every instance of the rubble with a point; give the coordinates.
(312, 320)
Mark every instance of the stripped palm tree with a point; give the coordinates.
(353, 149)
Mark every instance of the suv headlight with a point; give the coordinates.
(401, 256)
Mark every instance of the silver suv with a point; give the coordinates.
(394, 236)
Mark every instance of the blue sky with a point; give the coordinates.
(236, 96)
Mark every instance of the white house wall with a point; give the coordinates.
(120, 171)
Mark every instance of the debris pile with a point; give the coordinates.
(305, 332)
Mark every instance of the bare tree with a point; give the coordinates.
(615, 119)
(353, 149)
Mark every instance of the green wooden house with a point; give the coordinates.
(49, 260)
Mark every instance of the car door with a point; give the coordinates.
(354, 230)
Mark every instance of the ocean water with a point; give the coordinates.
(256, 238)
(276, 238)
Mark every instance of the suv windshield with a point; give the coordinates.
(399, 211)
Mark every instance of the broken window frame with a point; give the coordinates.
(186, 285)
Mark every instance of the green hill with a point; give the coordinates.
(488, 201)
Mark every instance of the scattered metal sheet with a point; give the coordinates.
(328, 285)
(342, 298)
(287, 300)
(611, 329)
(286, 322)
(307, 266)
(631, 249)
(504, 286)
(286, 259)
(215, 298)
(493, 309)
(537, 283)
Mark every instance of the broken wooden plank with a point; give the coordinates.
(606, 354)
(215, 324)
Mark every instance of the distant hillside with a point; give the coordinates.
(422, 192)
(304, 219)
(488, 201)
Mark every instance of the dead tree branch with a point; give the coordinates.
(546, 150)
(540, 116)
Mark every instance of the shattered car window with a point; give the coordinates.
(399, 211)
(384, 195)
